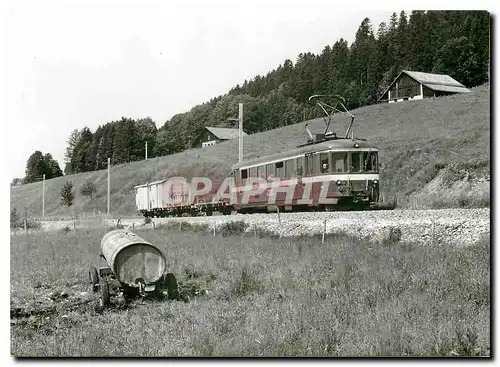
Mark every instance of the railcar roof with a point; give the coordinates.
(150, 183)
(310, 148)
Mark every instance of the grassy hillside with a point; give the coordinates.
(445, 139)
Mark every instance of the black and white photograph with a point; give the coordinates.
(248, 179)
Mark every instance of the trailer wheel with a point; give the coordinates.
(104, 297)
(93, 278)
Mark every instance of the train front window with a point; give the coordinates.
(355, 162)
(370, 160)
(339, 162)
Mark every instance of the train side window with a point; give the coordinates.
(280, 170)
(317, 163)
(289, 168)
(244, 174)
(309, 163)
(261, 170)
(339, 162)
(355, 162)
(298, 167)
(269, 170)
(324, 164)
(253, 172)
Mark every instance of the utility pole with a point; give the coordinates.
(109, 168)
(240, 145)
(43, 196)
(146, 150)
(240, 132)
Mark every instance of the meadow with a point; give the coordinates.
(260, 297)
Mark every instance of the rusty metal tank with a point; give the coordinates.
(131, 257)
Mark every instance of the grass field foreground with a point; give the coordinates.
(265, 297)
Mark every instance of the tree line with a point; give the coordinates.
(445, 42)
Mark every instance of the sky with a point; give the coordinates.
(74, 64)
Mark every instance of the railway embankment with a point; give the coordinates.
(426, 227)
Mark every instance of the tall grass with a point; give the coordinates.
(267, 297)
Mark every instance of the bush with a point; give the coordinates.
(232, 228)
(16, 222)
(67, 194)
(88, 189)
(14, 218)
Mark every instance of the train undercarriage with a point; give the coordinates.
(210, 209)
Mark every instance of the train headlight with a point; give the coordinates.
(375, 182)
(356, 145)
(339, 182)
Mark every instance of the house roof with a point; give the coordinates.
(436, 82)
(224, 132)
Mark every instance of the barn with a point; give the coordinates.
(214, 135)
(411, 85)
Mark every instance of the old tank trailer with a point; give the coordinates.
(136, 268)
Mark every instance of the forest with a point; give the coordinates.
(444, 42)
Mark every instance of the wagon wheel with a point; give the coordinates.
(104, 297)
(93, 278)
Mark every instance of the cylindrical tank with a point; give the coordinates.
(130, 257)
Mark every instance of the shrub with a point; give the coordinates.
(14, 218)
(67, 194)
(88, 189)
(17, 222)
(232, 228)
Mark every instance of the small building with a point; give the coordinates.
(411, 85)
(214, 135)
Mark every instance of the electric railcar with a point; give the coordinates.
(326, 173)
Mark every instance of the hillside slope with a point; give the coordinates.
(417, 139)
